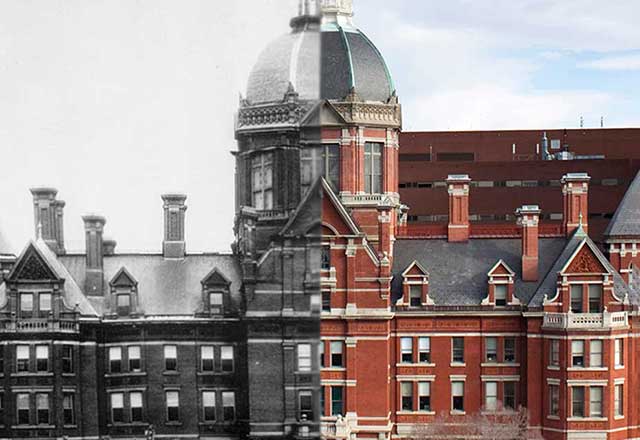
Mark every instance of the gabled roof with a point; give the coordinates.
(331, 201)
(501, 268)
(215, 278)
(626, 221)
(123, 278)
(415, 269)
(578, 240)
(72, 294)
(307, 214)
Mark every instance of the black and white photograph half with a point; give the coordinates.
(159, 240)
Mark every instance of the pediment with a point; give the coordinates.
(501, 269)
(31, 266)
(585, 260)
(415, 269)
(323, 114)
(123, 279)
(215, 278)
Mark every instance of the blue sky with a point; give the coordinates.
(115, 102)
(492, 64)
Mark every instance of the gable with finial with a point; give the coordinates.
(586, 259)
(32, 266)
(501, 270)
(123, 278)
(215, 278)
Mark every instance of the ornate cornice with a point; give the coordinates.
(272, 116)
(370, 113)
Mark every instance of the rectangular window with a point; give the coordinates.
(424, 396)
(595, 353)
(509, 350)
(457, 396)
(576, 298)
(26, 304)
(321, 353)
(133, 353)
(619, 352)
(42, 408)
(491, 396)
(135, 402)
(424, 350)
(262, 181)
(415, 295)
(206, 358)
(209, 406)
(372, 168)
(457, 350)
(117, 407)
(336, 401)
(42, 358)
(577, 402)
(23, 408)
(595, 298)
(228, 406)
(336, 354)
(304, 357)
(491, 349)
(44, 303)
(123, 304)
(618, 405)
(577, 353)
(554, 352)
(67, 359)
(509, 398)
(406, 350)
(226, 358)
(68, 409)
(406, 396)
(554, 400)
(170, 357)
(305, 402)
(172, 399)
(115, 359)
(595, 401)
(22, 358)
(215, 302)
(331, 162)
(500, 294)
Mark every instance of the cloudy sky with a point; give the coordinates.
(115, 102)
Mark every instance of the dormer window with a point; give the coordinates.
(595, 298)
(576, 298)
(500, 292)
(123, 303)
(501, 286)
(124, 290)
(415, 295)
(44, 303)
(415, 286)
(26, 305)
(215, 287)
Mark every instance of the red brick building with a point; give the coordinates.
(444, 320)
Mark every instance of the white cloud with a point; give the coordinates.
(622, 62)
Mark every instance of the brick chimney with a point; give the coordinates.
(94, 280)
(528, 219)
(458, 187)
(48, 216)
(174, 245)
(575, 198)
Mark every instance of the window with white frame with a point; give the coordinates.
(228, 406)
(206, 358)
(305, 405)
(554, 352)
(618, 352)
(117, 407)
(68, 409)
(491, 349)
(577, 401)
(457, 396)
(457, 350)
(595, 298)
(576, 298)
(172, 401)
(22, 358)
(115, 359)
(577, 353)
(595, 353)
(415, 295)
(42, 408)
(406, 396)
(134, 358)
(595, 401)
(424, 396)
(406, 350)
(554, 400)
(424, 350)
(44, 303)
(135, 404)
(170, 357)
(67, 359)
(500, 294)
(26, 305)
(209, 406)
(23, 408)
(490, 396)
(262, 181)
(42, 358)
(336, 353)
(226, 358)
(372, 168)
(304, 357)
(618, 404)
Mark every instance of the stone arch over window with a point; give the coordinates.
(124, 294)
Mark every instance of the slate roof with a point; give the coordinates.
(165, 287)
(458, 271)
(626, 220)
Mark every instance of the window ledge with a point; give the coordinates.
(407, 364)
(127, 424)
(500, 364)
(33, 427)
(170, 373)
(68, 374)
(126, 374)
(41, 374)
(415, 413)
(552, 417)
(173, 423)
(618, 417)
(334, 369)
(587, 419)
(587, 369)
(553, 367)
(619, 367)
(213, 373)
(454, 412)
(70, 426)
(458, 364)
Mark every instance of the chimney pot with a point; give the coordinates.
(458, 188)
(109, 247)
(173, 245)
